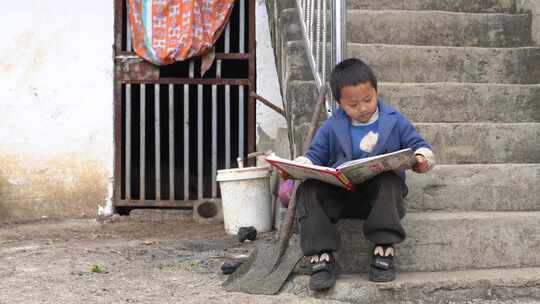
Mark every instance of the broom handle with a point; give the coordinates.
(286, 227)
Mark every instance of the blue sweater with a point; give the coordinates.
(332, 144)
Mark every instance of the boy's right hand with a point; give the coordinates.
(421, 165)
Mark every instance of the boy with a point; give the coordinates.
(362, 126)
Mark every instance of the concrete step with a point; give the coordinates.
(450, 102)
(471, 6)
(425, 28)
(502, 187)
(405, 63)
(520, 285)
(481, 143)
(453, 143)
(464, 102)
(444, 241)
(438, 28)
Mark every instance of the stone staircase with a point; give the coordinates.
(467, 73)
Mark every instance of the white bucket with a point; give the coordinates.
(245, 196)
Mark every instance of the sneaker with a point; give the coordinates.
(382, 264)
(324, 272)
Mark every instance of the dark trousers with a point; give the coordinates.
(379, 201)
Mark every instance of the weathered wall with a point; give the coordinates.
(270, 125)
(56, 136)
(56, 97)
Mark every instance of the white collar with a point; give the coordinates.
(373, 119)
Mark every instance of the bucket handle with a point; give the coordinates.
(241, 160)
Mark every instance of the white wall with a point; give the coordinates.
(268, 121)
(56, 95)
(56, 98)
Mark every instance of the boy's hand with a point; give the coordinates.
(421, 165)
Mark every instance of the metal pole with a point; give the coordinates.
(339, 34)
(128, 141)
(339, 37)
(157, 132)
(142, 165)
(172, 164)
(200, 141)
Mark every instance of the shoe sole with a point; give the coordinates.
(382, 278)
(325, 286)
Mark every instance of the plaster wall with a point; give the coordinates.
(56, 98)
(271, 127)
(56, 95)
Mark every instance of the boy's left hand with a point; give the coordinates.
(422, 165)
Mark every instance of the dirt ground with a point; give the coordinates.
(135, 259)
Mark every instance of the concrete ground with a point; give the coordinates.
(141, 259)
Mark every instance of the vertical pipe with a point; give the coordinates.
(318, 35)
(306, 13)
(128, 141)
(241, 88)
(200, 141)
(324, 41)
(227, 104)
(186, 133)
(228, 37)
(227, 126)
(241, 121)
(311, 26)
(214, 130)
(338, 31)
(172, 143)
(157, 132)
(214, 140)
(339, 36)
(308, 20)
(343, 24)
(142, 164)
(242, 40)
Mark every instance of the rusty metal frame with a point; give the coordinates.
(145, 73)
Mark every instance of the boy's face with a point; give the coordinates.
(359, 101)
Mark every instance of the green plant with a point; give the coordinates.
(98, 269)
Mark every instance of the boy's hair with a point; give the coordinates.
(350, 72)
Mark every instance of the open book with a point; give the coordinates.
(350, 173)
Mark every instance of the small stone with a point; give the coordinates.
(247, 233)
(230, 266)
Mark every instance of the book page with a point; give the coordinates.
(360, 170)
(302, 171)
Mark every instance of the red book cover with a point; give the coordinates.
(299, 170)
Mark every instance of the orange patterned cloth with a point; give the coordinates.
(166, 31)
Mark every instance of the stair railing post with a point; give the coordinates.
(339, 34)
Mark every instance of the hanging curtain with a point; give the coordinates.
(166, 31)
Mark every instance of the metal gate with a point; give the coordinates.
(175, 128)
